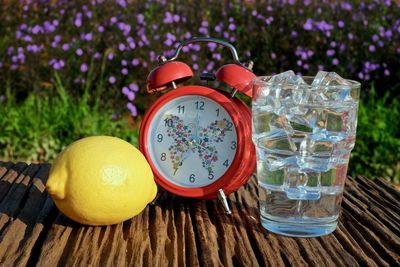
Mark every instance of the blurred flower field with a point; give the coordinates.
(69, 69)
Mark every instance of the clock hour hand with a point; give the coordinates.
(197, 122)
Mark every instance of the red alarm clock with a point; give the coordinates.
(197, 139)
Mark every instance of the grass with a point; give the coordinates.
(38, 128)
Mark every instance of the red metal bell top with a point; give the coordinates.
(167, 74)
(237, 77)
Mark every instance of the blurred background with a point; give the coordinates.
(70, 69)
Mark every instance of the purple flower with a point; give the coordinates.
(212, 46)
(113, 20)
(340, 24)
(112, 79)
(122, 3)
(330, 52)
(57, 38)
(79, 52)
(57, 66)
(168, 18)
(49, 27)
(232, 27)
(134, 87)
(124, 71)
(97, 55)
(217, 28)
(125, 90)
(131, 96)
(350, 36)
(346, 6)
(294, 34)
(89, 36)
(65, 47)
(176, 18)
(308, 25)
(371, 48)
(27, 38)
(168, 42)
(216, 56)
(335, 61)
(122, 47)
(140, 18)
(388, 34)
(84, 68)
(78, 22)
(110, 56)
(135, 62)
(100, 28)
(360, 76)
(195, 66)
(36, 29)
(132, 109)
(386, 72)
(88, 14)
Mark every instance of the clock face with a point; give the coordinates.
(192, 141)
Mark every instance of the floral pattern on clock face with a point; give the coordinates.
(195, 141)
(207, 137)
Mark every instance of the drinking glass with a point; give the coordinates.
(304, 129)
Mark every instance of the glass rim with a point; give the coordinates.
(265, 80)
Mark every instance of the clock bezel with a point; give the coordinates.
(233, 178)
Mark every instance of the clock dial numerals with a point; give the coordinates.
(200, 105)
(195, 141)
(160, 138)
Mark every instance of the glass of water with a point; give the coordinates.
(304, 129)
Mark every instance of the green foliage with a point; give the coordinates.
(38, 128)
(377, 147)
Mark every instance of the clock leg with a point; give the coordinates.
(224, 202)
(160, 192)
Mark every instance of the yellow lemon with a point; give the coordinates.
(101, 180)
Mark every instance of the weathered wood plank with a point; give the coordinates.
(185, 232)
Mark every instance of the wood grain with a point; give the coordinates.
(186, 232)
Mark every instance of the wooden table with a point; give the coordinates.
(185, 232)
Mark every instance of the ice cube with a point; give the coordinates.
(281, 77)
(280, 122)
(280, 144)
(269, 178)
(316, 153)
(315, 118)
(297, 185)
(261, 118)
(278, 161)
(299, 123)
(324, 78)
(334, 120)
(329, 86)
